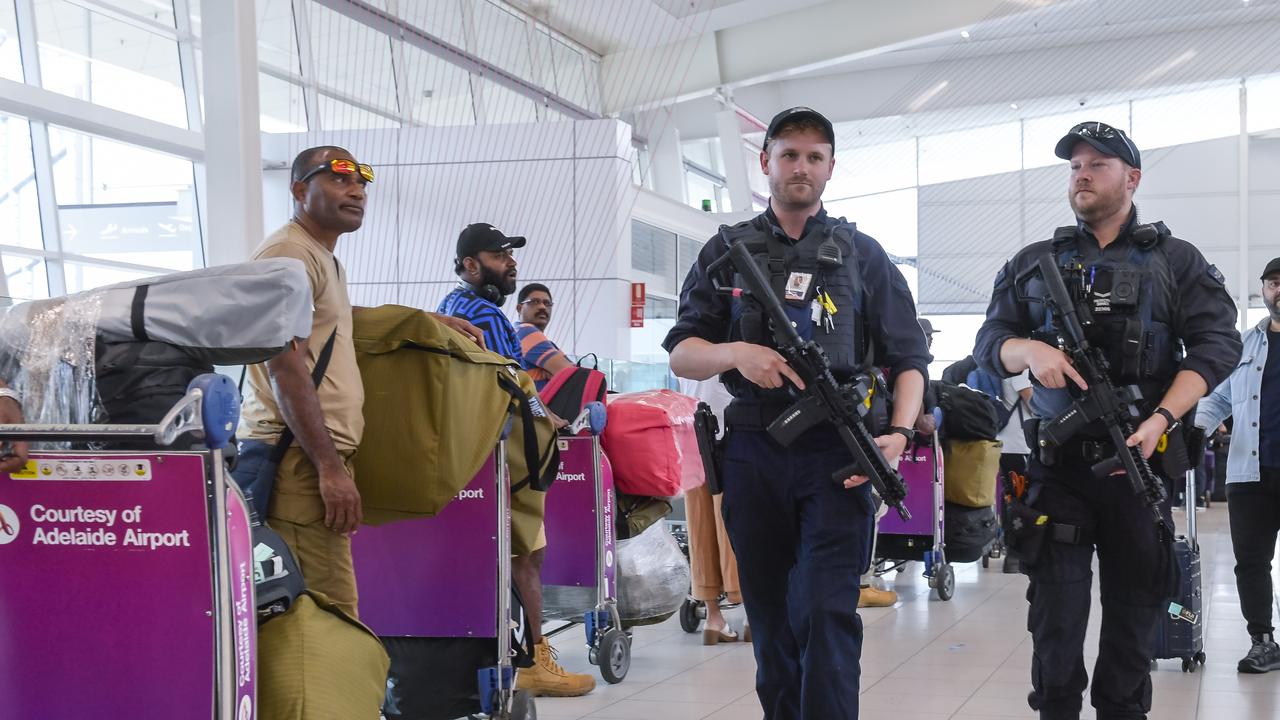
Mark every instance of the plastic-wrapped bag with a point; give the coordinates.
(651, 440)
(653, 576)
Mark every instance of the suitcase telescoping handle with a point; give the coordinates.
(1189, 497)
(211, 409)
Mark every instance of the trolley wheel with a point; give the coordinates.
(946, 586)
(615, 656)
(689, 619)
(593, 654)
(523, 707)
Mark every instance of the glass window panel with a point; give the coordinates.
(653, 251)
(699, 189)
(107, 62)
(85, 276)
(25, 277)
(10, 54)
(688, 253)
(19, 207)
(506, 107)
(160, 11)
(873, 169)
(570, 75)
(440, 91)
(1041, 134)
(970, 153)
(502, 39)
(1186, 117)
(352, 59)
(890, 218)
(1264, 103)
(337, 115)
(592, 89)
(281, 107)
(440, 18)
(124, 203)
(277, 41)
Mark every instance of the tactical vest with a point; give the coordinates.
(785, 264)
(1132, 303)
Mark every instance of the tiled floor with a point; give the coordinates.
(966, 659)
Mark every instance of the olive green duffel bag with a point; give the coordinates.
(316, 663)
(435, 406)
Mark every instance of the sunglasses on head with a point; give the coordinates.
(339, 166)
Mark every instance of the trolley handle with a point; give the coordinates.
(210, 409)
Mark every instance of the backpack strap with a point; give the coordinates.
(533, 461)
(317, 374)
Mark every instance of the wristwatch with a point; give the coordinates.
(1168, 416)
(11, 394)
(907, 433)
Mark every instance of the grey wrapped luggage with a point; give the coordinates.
(653, 576)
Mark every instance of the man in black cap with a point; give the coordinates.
(1164, 320)
(486, 272)
(1252, 395)
(801, 539)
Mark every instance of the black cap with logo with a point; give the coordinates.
(483, 236)
(1104, 138)
(795, 115)
(1273, 268)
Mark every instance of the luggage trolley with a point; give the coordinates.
(578, 574)
(922, 537)
(428, 588)
(128, 575)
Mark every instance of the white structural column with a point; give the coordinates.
(232, 127)
(1243, 272)
(666, 161)
(734, 159)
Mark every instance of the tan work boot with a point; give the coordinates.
(873, 597)
(546, 677)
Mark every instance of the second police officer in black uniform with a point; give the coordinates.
(801, 539)
(1175, 339)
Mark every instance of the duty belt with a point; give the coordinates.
(751, 415)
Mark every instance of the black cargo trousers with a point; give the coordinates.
(1137, 576)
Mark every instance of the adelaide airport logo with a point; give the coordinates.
(9, 525)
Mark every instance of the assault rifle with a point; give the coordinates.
(1115, 407)
(824, 398)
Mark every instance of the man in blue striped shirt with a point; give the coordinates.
(486, 272)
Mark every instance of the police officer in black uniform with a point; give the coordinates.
(801, 539)
(1166, 323)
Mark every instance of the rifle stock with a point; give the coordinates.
(824, 398)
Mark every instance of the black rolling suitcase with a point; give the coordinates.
(1181, 631)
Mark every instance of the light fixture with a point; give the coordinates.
(964, 34)
(1013, 106)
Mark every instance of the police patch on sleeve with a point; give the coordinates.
(1216, 275)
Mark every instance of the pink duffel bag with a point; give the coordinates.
(651, 443)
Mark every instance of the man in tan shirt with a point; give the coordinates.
(314, 503)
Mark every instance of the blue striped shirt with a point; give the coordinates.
(499, 333)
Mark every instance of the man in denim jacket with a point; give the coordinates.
(1252, 395)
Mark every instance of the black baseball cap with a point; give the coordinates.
(483, 236)
(927, 327)
(1104, 138)
(795, 115)
(1273, 267)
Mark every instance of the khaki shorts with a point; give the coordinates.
(528, 532)
(297, 513)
